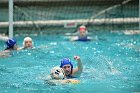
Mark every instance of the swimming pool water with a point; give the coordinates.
(111, 64)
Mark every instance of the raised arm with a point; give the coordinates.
(77, 71)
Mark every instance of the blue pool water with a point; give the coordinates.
(111, 64)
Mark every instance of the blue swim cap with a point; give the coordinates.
(10, 43)
(66, 61)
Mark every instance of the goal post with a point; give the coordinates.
(11, 18)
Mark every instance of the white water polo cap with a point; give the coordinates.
(27, 39)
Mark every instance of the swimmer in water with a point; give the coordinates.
(67, 66)
(27, 43)
(82, 35)
(58, 77)
(11, 45)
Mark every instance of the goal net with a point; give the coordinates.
(62, 16)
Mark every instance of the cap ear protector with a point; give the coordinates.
(27, 39)
(57, 73)
(10, 43)
(66, 61)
